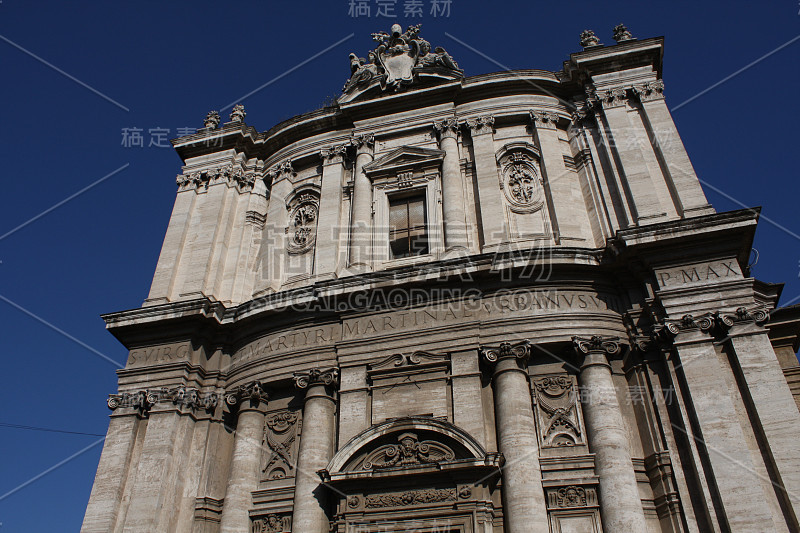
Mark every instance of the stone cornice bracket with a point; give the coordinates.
(481, 125)
(363, 142)
(544, 119)
(253, 392)
(520, 351)
(333, 154)
(652, 90)
(328, 377)
(447, 128)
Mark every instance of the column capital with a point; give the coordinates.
(333, 154)
(280, 170)
(544, 119)
(718, 322)
(596, 349)
(520, 351)
(252, 392)
(611, 97)
(447, 128)
(316, 376)
(652, 90)
(596, 343)
(363, 143)
(481, 125)
(181, 396)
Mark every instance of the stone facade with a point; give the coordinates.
(486, 304)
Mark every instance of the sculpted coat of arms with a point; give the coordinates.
(398, 60)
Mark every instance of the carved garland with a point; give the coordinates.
(412, 497)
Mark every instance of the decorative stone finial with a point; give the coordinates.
(238, 114)
(212, 119)
(621, 34)
(589, 39)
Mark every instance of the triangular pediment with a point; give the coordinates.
(404, 158)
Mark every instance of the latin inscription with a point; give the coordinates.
(699, 274)
(523, 303)
(158, 354)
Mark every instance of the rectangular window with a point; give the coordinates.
(408, 234)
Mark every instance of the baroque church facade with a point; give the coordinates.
(497, 303)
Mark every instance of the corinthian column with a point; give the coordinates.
(524, 508)
(361, 226)
(455, 230)
(316, 449)
(620, 503)
(245, 467)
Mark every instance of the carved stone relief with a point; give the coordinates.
(571, 496)
(272, 523)
(303, 223)
(558, 418)
(521, 182)
(411, 497)
(281, 434)
(409, 452)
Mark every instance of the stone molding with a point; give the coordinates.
(145, 399)
(521, 351)
(481, 125)
(253, 391)
(203, 179)
(255, 219)
(328, 377)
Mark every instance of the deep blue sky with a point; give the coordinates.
(170, 62)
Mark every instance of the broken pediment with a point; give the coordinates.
(404, 158)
